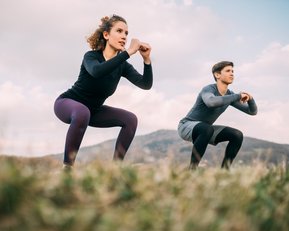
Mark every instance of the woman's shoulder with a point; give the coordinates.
(93, 54)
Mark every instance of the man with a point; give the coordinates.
(198, 125)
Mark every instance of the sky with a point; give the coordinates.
(42, 43)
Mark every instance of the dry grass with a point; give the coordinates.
(105, 196)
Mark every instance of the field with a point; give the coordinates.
(35, 194)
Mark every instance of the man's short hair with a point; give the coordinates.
(218, 67)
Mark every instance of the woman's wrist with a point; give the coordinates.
(147, 61)
(130, 51)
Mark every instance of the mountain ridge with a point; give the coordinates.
(163, 144)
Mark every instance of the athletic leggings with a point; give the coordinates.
(202, 134)
(79, 117)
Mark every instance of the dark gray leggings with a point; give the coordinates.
(79, 117)
(202, 134)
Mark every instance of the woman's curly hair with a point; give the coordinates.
(96, 40)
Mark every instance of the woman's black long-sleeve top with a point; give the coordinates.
(98, 79)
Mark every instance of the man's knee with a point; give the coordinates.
(207, 130)
(204, 130)
(237, 134)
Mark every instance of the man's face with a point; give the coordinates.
(226, 75)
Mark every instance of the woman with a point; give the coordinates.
(101, 69)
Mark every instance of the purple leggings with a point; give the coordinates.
(79, 117)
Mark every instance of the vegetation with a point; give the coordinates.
(35, 194)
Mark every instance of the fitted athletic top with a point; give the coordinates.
(98, 78)
(210, 104)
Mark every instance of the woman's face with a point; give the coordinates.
(116, 38)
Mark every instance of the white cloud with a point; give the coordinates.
(239, 39)
(47, 42)
(154, 109)
(269, 124)
(27, 117)
(267, 75)
(10, 95)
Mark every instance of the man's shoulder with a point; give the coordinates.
(210, 87)
(230, 92)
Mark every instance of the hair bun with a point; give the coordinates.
(104, 19)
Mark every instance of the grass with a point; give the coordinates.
(106, 196)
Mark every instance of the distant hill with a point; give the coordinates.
(167, 144)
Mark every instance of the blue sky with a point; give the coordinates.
(42, 43)
(258, 21)
(265, 18)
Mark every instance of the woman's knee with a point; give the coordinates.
(132, 120)
(81, 117)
